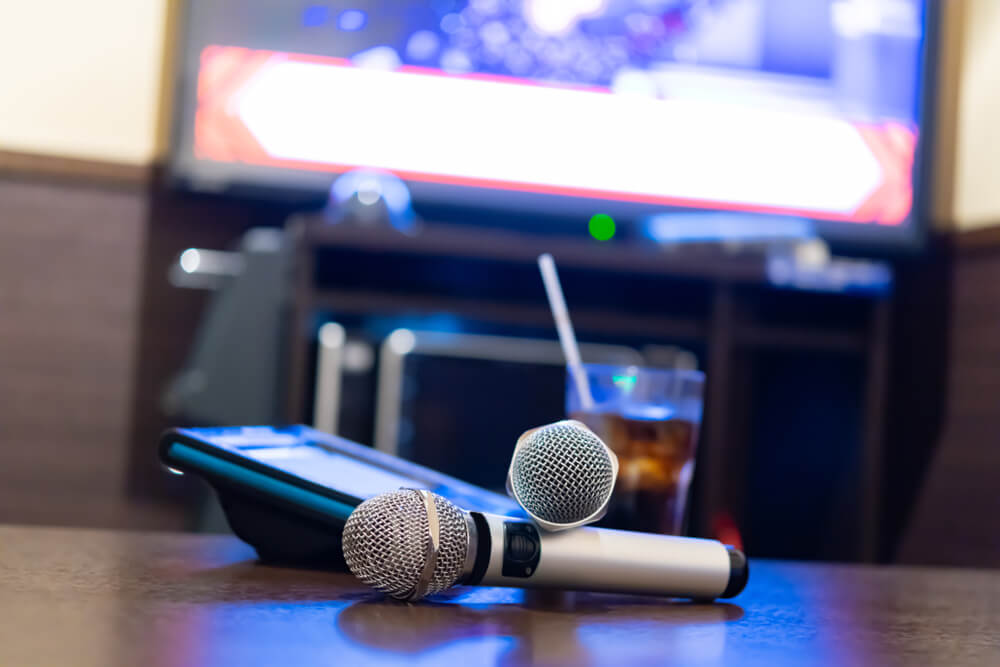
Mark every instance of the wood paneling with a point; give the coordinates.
(70, 266)
(15, 166)
(918, 381)
(91, 331)
(954, 521)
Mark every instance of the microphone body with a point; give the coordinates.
(603, 560)
(412, 543)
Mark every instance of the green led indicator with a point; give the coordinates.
(602, 227)
(624, 382)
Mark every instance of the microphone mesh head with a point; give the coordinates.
(386, 540)
(562, 473)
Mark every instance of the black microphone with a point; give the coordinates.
(412, 543)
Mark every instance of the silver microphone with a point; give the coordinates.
(412, 543)
(562, 475)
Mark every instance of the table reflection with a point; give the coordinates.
(541, 627)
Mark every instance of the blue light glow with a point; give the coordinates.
(369, 186)
(710, 228)
(352, 19)
(838, 275)
(625, 382)
(441, 323)
(362, 189)
(315, 15)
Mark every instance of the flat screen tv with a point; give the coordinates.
(810, 110)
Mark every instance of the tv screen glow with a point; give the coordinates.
(802, 108)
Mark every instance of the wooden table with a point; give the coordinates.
(77, 597)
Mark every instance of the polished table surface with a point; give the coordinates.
(83, 597)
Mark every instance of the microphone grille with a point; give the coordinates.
(562, 473)
(387, 537)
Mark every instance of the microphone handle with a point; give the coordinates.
(603, 560)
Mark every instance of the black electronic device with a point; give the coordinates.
(288, 491)
(433, 388)
(234, 373)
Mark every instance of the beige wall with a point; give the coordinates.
(82, 78)
(976, 175)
